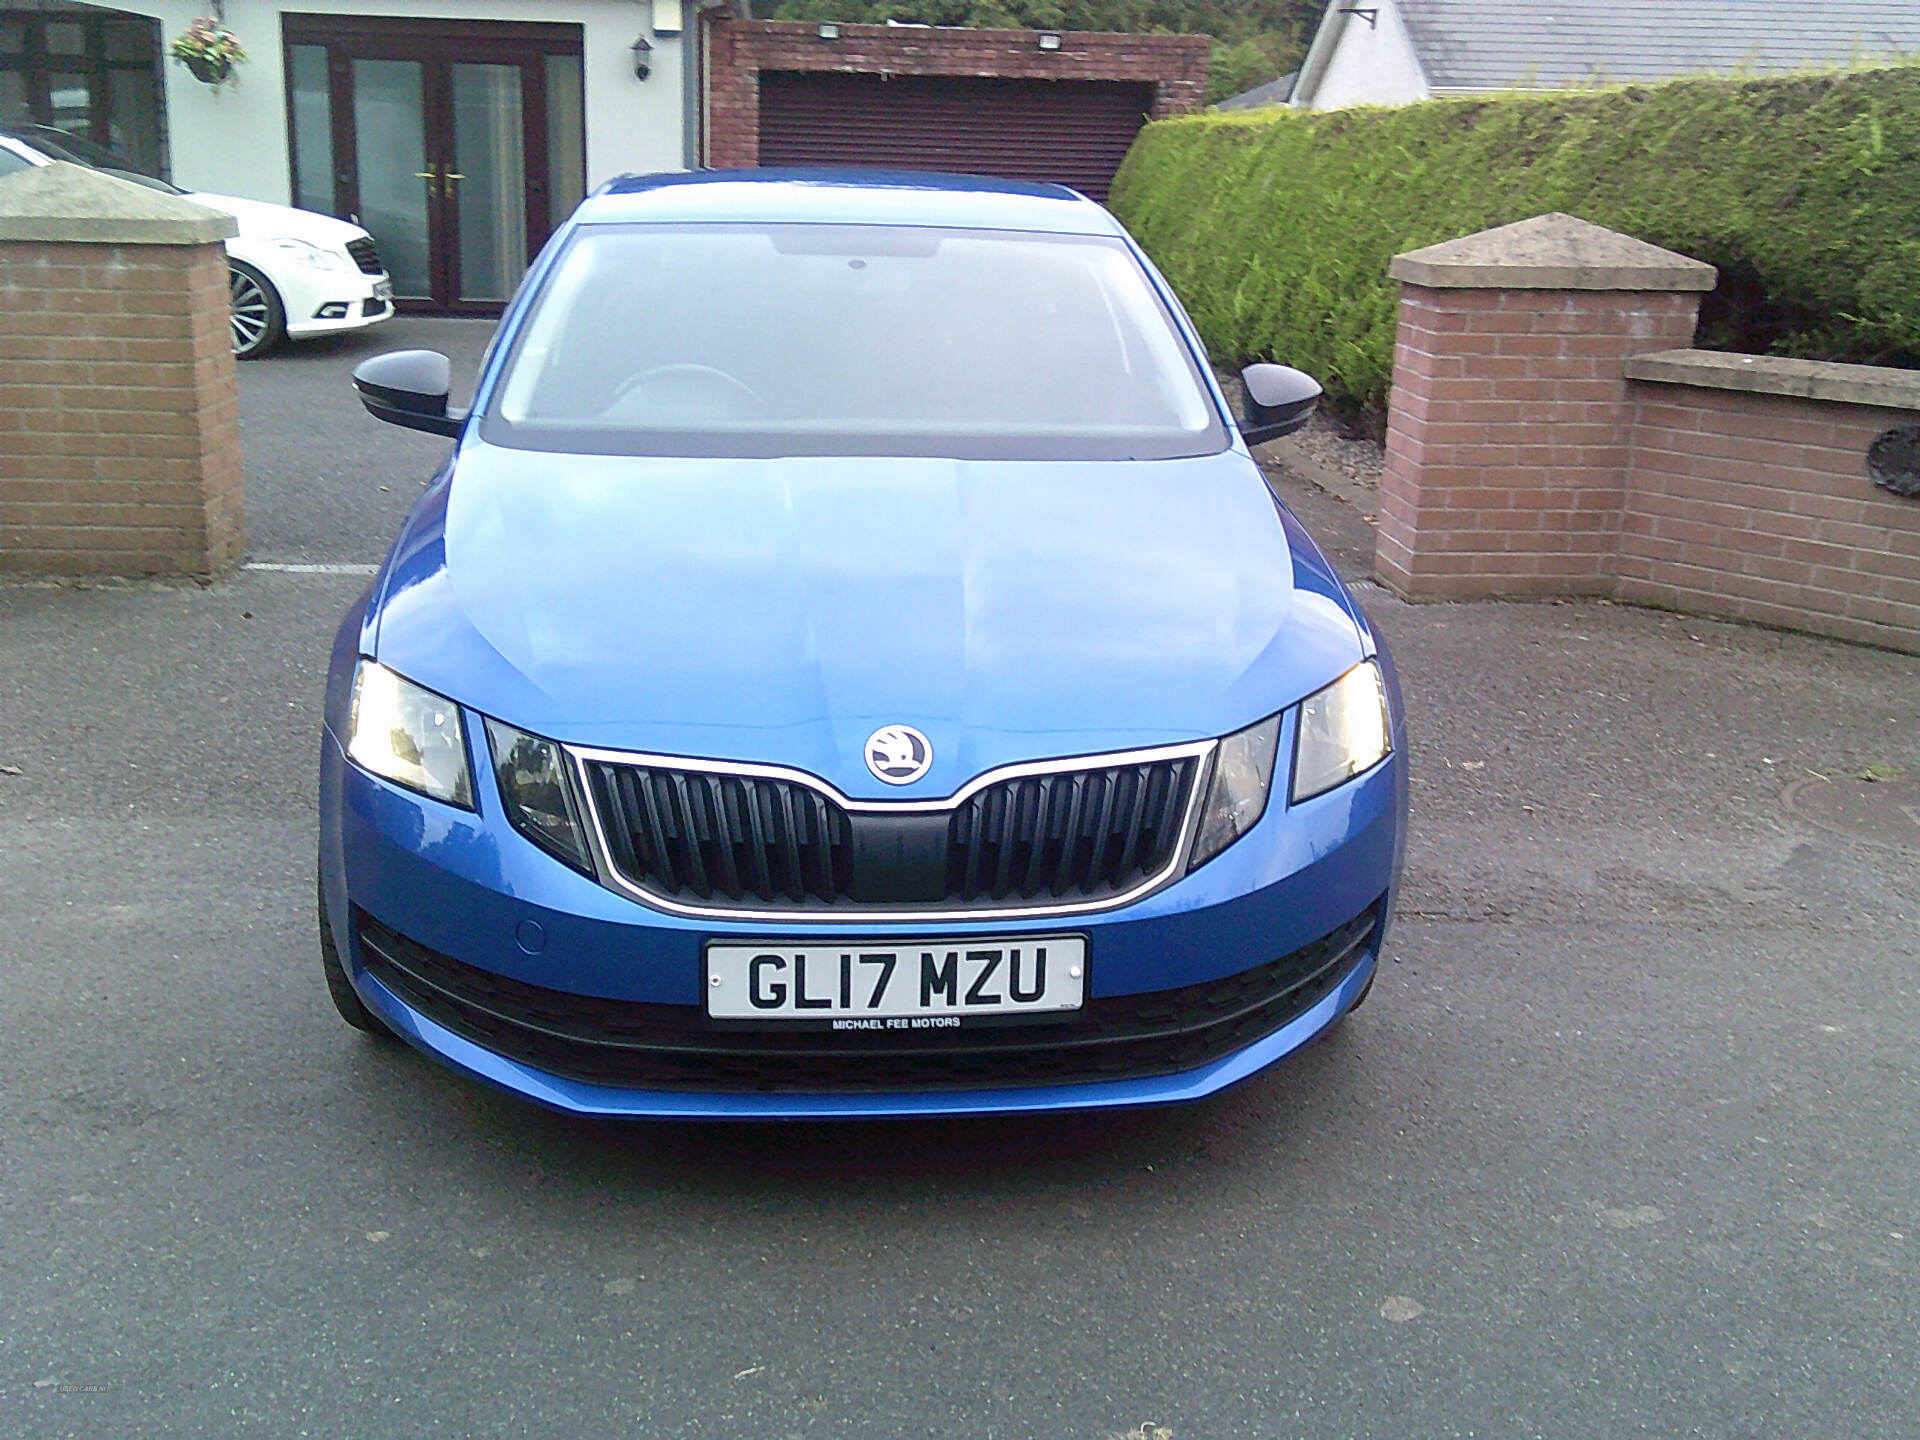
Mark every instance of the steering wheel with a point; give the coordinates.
(690, 386)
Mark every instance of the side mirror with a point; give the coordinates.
(1280, 399)
(409, 387)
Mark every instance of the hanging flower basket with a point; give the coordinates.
(207, 72)
(209, 51)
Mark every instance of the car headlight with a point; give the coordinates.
(539, 798)
(318, 257)
(1237, 793)
(408, 735)
(1343, 730)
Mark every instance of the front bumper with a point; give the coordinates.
(490, 956)
(327, 302)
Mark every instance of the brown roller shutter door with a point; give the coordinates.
(1071, 132)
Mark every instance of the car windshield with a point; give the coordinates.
(760, 341)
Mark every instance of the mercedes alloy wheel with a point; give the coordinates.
(259, 320)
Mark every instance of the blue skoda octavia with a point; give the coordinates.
(850, 665)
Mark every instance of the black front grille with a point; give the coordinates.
(366, 255)
(688, 835)
(749, 841)
(1077, 834)
(673, 1047)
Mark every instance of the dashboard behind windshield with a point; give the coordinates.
(851, 339)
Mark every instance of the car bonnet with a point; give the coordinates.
(783, 610)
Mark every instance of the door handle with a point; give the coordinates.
(445, 177)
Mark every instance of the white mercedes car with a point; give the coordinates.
(294, 274)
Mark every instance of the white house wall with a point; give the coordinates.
(1371, 64)
(233, 140)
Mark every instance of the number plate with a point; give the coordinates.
(875, 984)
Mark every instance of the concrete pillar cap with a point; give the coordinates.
(1551, 252)
(70, 204)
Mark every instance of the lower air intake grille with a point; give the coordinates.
(673, 1047)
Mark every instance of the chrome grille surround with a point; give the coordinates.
(1195, 770)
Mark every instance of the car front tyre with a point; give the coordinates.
(346, 999)
(259, 319)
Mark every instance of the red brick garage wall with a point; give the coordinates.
(738, 50)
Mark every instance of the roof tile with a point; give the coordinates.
(1527, 44)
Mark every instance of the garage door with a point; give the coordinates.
(1071, 132)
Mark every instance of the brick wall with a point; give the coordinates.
(1758, 506)
(738, 50)
(1550, 434)
(119, 427)
(1507, 436)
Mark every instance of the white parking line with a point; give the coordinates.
(286, 567)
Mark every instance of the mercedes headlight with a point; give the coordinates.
(1343, 731)
(1237, 792)
(539, 798)
(408, 735)
(318, 257)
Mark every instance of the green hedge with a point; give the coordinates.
(1276, 227)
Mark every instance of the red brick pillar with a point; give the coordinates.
(1509, 425)
(119, 420)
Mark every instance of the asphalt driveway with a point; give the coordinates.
(1624, 1142)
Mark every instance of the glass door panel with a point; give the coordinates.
(488, 179)
(458, 144)
(396, 183)
(310, 104)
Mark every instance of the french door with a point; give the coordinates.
(458, 146)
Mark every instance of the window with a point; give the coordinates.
(96, 76)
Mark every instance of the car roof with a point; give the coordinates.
(847, 197)
(15, 145)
